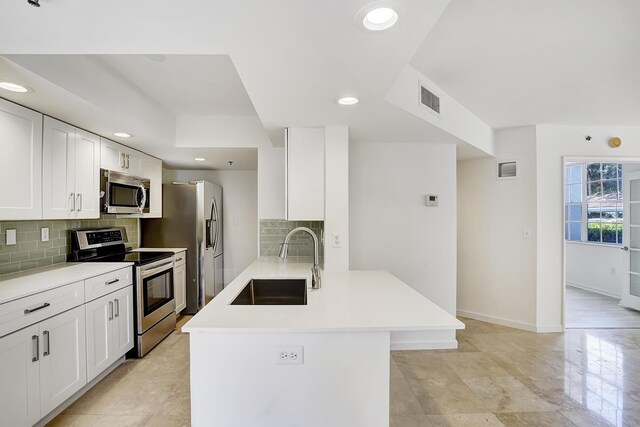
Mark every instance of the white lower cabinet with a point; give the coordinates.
(20, 384)
(55, 343)
(180, 282)
(109, 330)
(63, 360)
(42, 366)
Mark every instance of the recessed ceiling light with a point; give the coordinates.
(380, 19)
(122, 135)
(348, 100)
(14, 87)
(199, 159)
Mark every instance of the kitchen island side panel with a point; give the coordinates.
(237, 379)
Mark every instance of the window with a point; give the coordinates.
(573, 202)
(593, 202)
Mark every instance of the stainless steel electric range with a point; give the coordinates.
(154, 304)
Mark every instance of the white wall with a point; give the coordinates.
(240, 213)
(597, 268)
(496, 265)
(390, 226)
(336, 197)
(553, 143)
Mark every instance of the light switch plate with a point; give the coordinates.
(11, 236)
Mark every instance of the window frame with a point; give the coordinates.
(585, 183)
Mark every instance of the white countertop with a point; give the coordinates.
(174, 250)
(347, 301)
(19, 285)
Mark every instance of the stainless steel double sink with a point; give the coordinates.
(273, 292)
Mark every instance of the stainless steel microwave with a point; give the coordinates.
(123, 194)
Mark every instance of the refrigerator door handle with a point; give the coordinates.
(214, 208)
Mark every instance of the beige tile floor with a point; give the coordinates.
(499, 376)
(586, 309)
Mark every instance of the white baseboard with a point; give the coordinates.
(498, 320)
(543, 329)
(594, 290)
(424, 345)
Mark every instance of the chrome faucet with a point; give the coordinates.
(315, 270)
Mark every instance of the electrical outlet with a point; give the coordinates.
(11, 236)
(336, 240)
(44, 234)
(290, 355)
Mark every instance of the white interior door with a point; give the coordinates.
(631, 291)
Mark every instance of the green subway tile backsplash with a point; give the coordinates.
(273, 232)
(29, 252)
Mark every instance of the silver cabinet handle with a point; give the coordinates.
(111, 282)
(31, 310)
(47, 344)
(117, 307)
(73, 199)
(79, 199)
(110, 310)
(122, 162)
(127, 161)
(625, 248)
(36, 348)
(179, 259)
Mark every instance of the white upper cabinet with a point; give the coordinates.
(117, 157)
(304, 174)
(71, 172)
(87, 174)
(152, 169)
(21, 171)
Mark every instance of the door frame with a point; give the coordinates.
(581, 159)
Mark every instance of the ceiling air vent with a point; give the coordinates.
(429, 100)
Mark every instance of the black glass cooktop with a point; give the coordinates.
(138, 258)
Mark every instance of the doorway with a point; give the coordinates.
(602, 243)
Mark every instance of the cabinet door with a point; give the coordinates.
(21, 171)
(111, 155)
(133, 163)
(305, 174)
(99, 315)
(58, 196)
(19, 387)
(179, 285)
(63, 369)
(123, 321)
(87, 174)
(152, 169)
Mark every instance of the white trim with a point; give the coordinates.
(545, 329)
(498, 320)
(424, 345)
(595, 291)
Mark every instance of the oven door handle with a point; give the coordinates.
(158, 269)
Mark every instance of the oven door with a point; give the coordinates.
(155, 299)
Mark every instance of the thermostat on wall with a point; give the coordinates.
(431, 200)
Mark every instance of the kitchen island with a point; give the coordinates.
(325, 363)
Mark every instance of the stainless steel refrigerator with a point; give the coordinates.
(192, 219)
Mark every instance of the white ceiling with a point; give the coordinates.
(532, 62)
(286, 61)
(186, 84)
(215, 158)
